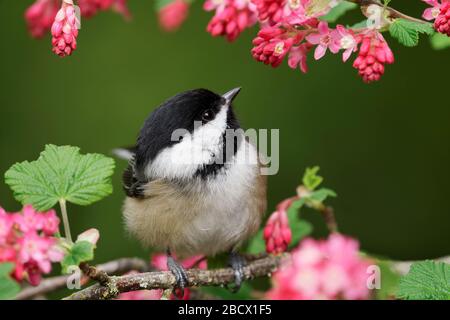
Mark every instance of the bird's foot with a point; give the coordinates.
(237, 262)
(180, 275)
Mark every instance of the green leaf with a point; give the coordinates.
(310, 179)
(321, 195)
(338, 11)
(440, 41)
(407, 32)
(61, 173)
(9, 288)
(81, 251)
(218, 261)
(426, 280)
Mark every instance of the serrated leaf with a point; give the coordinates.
(407, 32)
(440, 41)
(61, 172)
(9, 288)
(310, 179)
(321, 195)
(81, 251)
(339, 10)
(426, 280)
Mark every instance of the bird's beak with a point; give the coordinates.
(230, 95)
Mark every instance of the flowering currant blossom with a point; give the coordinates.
(298, 55)
(326, 269)
(40, 16)
(440, 12)
(231, 17)
(374, 53)
(442, 23)
(324, 39)
(159, 261)
(65, 29)
(272, 44)
(172, 15)
(345, 39)
(89, 8)
(277, 233)
(27, 239)
(270, 11)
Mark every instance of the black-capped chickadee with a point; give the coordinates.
(193, 183)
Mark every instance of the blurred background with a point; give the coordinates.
(385, 147)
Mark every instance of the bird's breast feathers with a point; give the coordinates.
(204, 216)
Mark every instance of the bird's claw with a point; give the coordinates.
(180, 275)
(237, 262)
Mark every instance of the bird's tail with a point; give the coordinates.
(125, 153)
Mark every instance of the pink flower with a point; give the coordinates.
(232, 18)
(272, 44)
(270, 11)
(218, 5)
(6, 225)
(324, 39)
(433, 12)
(277, 232)
(65, 30)
(89, 8)
(40, 16)
(326, 269)
(345, 39)
(298, 55)
(121, 7)
(27, 240)
(173, 15)
(29, 220)
(374, 53)
(442, 23)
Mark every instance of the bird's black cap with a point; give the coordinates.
(179, 112)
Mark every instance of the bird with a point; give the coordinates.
(193, 183)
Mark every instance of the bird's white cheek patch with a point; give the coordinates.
(184, 158)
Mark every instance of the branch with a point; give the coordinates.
(118, 266)
(393, 13)
(166, 280)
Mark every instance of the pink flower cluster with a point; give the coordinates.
(65, 29)
(27, 239)
(277, 232)
(231, 17)
(59, 17)
(440, 12)
(291, 29)
(172, 16)
(159, 261)
(40, 16)
(327, 269)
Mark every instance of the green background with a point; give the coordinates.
(383, 147)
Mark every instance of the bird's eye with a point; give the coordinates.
(207, 115)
